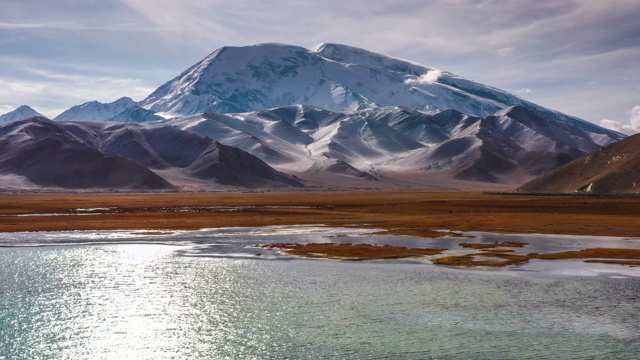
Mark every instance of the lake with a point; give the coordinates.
(206, 295)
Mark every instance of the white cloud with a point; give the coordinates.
(629, 129)
(617, 126)
(550, 46)
(429, 77)
(6, 108)
(524, 91)
(635, 118)
(47, 87)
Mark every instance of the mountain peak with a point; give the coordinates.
(124, 100)
(22, 112)
(24, 108)
(335, 77)
(95, 110)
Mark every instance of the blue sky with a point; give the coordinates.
(580, 57)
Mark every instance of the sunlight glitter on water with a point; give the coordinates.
(204, 294)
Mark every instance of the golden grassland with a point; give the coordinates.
(417, 213)
(411, 213)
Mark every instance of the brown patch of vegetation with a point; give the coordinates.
(495, 245)
(470, 260)
(612, 256)
(594, 253)
(153, 233)
(616, 262)
(351, 251)
(419, 232)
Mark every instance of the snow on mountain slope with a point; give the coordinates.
(514, 142)
(513, 145)
(339, 111)
(306, 118)
(22, 112)
(44, 153)
(234, 131)
(183, 153)
(422, 127)
(291, 142)
(136, 114)
(335, 77)
(95, 111)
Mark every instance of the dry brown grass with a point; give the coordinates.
(495, 245)
(615, 262)
(351, 251)
(418, 213)
(594, 253)
(470, 260)
(601, 255)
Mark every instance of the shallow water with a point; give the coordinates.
(113, 295)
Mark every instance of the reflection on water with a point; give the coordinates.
(149, 301)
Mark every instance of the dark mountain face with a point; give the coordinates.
(122, 156)
(47, 155)
(612, 169)
(162, 147)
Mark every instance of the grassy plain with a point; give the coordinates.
(413, 213)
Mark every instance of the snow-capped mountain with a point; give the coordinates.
(333, 77)
(336, 116)
(510, 146)
(95, 110)
(179, 156)
(22, 112)
(38, 152)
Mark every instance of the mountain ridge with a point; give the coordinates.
(334, 116)
(125, 156)
(335, 77)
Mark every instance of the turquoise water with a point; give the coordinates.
(205, 296)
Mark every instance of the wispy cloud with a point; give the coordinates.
(548, 46)
(632, 128)
(524, 91)
(49, 88)
(635, 118)
(6, 108)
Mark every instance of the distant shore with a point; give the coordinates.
(420, 213)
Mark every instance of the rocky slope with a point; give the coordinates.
(509, 147)
(180, 154)
(612, 169)
(44, 154)
(99, 155)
